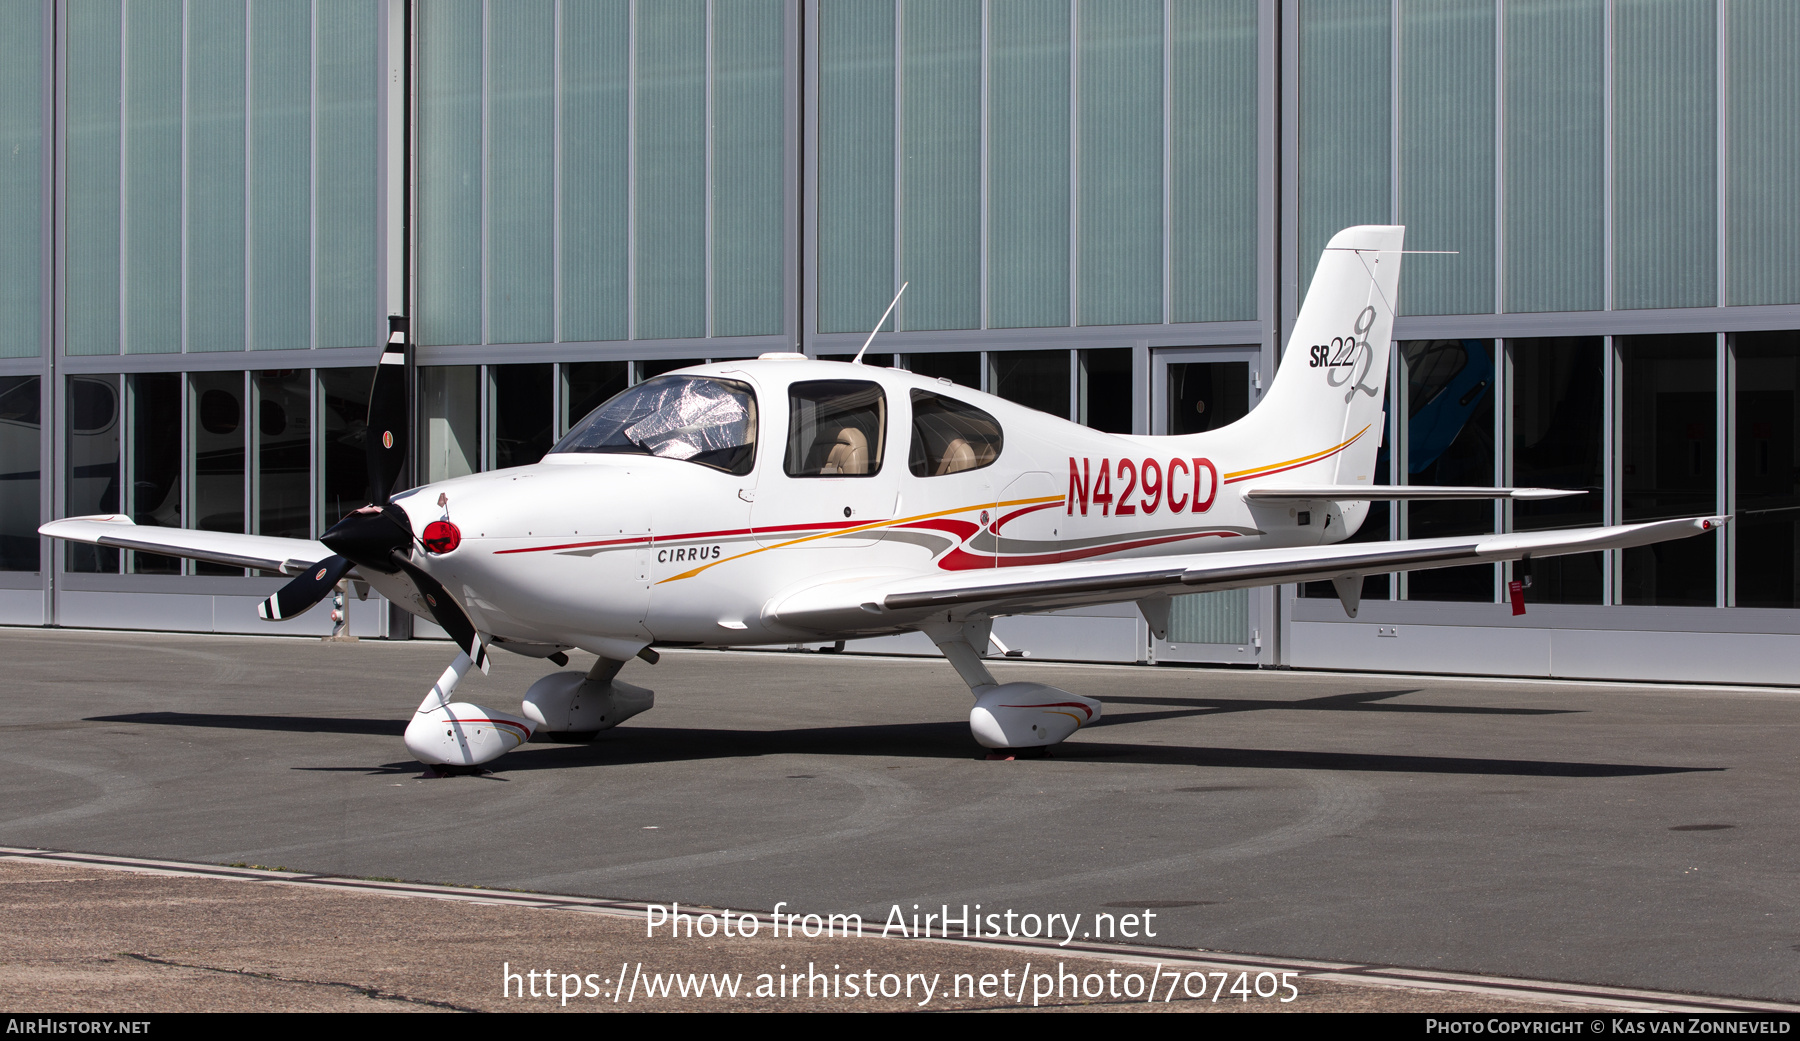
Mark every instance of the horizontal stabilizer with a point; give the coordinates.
(263, 552)
(1398, 492)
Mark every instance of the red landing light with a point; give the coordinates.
(441, 537)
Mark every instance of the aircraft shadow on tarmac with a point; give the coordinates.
(287, 724)
(946, 740)
(1355, 701)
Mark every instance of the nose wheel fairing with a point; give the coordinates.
(447, 733)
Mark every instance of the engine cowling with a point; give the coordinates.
(461, 734)
(569, 702)
(1029, 715)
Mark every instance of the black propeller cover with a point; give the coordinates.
(384, 440)
(309, 588)
(377, 537)
(447, 612)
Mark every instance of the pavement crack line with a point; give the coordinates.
(366, 991)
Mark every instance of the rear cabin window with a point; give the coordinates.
(949, 436)
(836, 428)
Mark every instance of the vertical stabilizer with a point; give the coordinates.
(1326, 402)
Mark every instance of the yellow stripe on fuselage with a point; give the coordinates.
(1253, 471)
(865, 527)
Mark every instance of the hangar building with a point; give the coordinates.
(1107, 209)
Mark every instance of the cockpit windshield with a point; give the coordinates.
(700, 419)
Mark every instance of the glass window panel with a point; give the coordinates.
(450, 408)
(1222, 617)
(749, 148)
(1121, 187)
(21, 432)
(699, 419)
(448, 172)
(349, 278)
(1558, 395)
(521, 411)
(1668, 414)
(962, 367)
(1450, 441)
(153, 481)
(941, 180)
(152, 233)
(281, 173)
(1555, 85)
(21, 156)
(1665, 153)
(836, 428)
(658, 366)
(1344, 121)
(1763, 164)
(856, 164)
(595, 136)
(216, 436)
(1212, 161)
(589, 384)
(215, 175)
(873, 359)
(93, 178)
(1447, 153)
(283, 477)
(1035, 379)
(949, 436)
(1377, 526)
(671, 169)
(1766, 517)
(344, 393)
(1207, 395)
(1028, 163)
(92, 481)
(1106, 390)
(521, 165)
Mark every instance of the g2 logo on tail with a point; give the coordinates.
(1350, 353)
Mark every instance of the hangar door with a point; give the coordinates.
(1195, 389)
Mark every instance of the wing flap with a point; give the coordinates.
(263, 552)
(883, 603)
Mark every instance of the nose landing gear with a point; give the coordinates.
(458, 734)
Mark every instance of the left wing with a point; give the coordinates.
(871, 604)
(263, 552)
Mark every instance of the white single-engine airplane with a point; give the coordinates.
(783, 500)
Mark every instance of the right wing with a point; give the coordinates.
(262, 552)
(886, 603)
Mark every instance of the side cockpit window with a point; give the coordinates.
(949, 436)
(836, 428)
(698, 419)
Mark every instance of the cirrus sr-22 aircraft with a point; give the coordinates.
(783, 499)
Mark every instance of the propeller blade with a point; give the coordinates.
(312, 586)
(448, 613)
(374, 537)
(384, 439)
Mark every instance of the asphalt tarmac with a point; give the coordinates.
(1630, 836)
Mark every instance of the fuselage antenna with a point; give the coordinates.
(884, 315)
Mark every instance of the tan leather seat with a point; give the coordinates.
(958, 456)
(850, 453)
